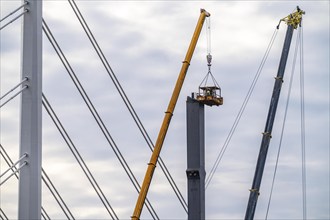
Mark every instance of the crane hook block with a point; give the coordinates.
(209, 94)
(209, 59)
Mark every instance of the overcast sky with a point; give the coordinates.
(145, 43)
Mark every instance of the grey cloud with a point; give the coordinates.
(147, 61)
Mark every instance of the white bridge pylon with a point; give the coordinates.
(29, 205)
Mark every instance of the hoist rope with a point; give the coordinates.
(127, 102)
(208, 34)
(95, 114)
(239, 115)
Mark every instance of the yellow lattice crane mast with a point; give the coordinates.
(167, 118)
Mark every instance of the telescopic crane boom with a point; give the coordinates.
(167, 118)
(292, 20)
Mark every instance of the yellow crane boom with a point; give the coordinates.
(168, 115)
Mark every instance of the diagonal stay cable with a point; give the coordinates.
(14, 19)
(14, 11)
(3, 215)
(15, 87)
(13, 96)
(10, 163)
(127, 102)
(95, 114)
(241, 111)
(78, 157)
(44, 214)
(14, 165)
(56, 194)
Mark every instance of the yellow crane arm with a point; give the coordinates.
(168, 115)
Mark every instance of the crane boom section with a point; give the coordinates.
(293, 20)
(167, 118)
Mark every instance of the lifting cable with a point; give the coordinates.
(241, 111)
(10, 163)
(127, 102)
(208, 56)
(95, 114)
(208, 34)
(299, 46)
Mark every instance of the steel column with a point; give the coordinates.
(254, 192)
(30, 137)
(195, 159)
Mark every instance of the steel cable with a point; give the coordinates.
(95, 114)
(240, 113)
(78, 157)
(3, 216)
(25, 3)
(56, 194)
(13, 96)
(303, 133)
(14, 165)
(44, 214)
(17, 170)
(14, 19)
(127, 102)
(208, 34)
(10, 163)
(15, 87)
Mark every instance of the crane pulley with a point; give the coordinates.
(293, 19)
